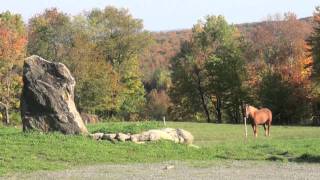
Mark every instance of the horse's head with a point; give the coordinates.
(246, 111)
(249, 110)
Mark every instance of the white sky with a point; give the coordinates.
(171, 14)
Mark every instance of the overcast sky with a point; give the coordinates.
(171, 14)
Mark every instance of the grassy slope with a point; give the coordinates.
(33, 151)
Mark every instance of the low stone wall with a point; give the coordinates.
(175, 135)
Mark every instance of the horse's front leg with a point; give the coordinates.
(254, 127)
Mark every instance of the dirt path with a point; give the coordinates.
(182, 170)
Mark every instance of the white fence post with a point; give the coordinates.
(245, 127)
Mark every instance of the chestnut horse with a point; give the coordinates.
(259, 117)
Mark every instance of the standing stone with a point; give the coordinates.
(47, 101)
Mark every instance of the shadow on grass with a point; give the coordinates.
(304, 158)
(276, 158)
(308, 158)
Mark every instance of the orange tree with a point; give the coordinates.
(12, 51)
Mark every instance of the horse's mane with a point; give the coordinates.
(254, 108)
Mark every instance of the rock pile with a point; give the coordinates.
(175, 135)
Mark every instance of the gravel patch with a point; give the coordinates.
(184, 170)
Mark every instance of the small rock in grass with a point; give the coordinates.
(134, 138)
(185, 136)
(122, 137)
(96, 136)
(110, 137)
(169, 167)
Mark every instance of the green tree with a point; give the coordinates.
(98, 86)
(133, 94)
(225, 67)
(189, 80)
(288, 103)
(209, 71)
(49, 35)
(119, 36)
(98, 91)
(226, 77)
(314, 43)
(119, 40)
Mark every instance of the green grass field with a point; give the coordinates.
(25, 152)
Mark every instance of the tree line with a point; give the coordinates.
(205, 74)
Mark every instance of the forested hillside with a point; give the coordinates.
(276, 46)
(206, 73)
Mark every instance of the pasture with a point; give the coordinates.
(26, 152)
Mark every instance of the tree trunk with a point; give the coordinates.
(218, 110)
(7, 119)
(237, 115)
(8, 96)
(242, 112)
(202, 96)
(5, 108)
(205, 109)
(316, 115)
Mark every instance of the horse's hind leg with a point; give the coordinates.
(265, 129)
(253, 128)
(269, 129)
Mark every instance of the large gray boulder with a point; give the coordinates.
(47, 101)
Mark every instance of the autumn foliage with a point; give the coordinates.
(201, 74)
(13, 42)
